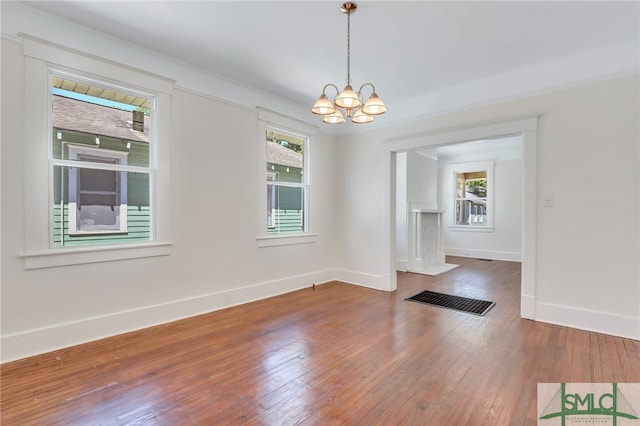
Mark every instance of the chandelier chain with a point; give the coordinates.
(349, 47)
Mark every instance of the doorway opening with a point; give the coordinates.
(526, 131)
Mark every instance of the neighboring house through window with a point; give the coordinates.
(97, 198)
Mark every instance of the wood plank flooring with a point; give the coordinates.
(336, 355)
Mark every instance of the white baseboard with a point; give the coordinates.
(363, 279)
(527, 307)
(484, 254)
(401, 265)
(58, 336)
(599, 322)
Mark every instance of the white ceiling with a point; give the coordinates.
(407, 49)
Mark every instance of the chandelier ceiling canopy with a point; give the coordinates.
(348, 100)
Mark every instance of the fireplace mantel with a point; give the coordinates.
(426, 255)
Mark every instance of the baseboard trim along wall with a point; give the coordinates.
(363, 279)
(484, 254)
(527, 306)
(34, 342)
(401, 265)
(599, 322)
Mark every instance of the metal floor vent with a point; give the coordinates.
(457, 303)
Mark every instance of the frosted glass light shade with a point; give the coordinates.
(335, 118)
(361, 118)
(323, 106)
(374, 106)
(348, 98)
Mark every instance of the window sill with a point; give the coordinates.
(463, 228)
(78, 256)
(286, 239)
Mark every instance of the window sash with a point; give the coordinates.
(470, 213)
(80, 222)
(273, 182)
(278, 222)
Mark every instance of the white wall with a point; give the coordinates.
(364, 195)
(215, 256)
(416, 182)
(422, 180)
(586, 272)
(505, 242)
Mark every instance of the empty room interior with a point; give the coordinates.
(318, 213)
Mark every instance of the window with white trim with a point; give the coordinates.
(473, 196)
(284, 147)
(287, 187)
(100, 161)
(107, 170)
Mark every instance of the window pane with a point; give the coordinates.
(285, 157)
(95, 124)
(471, 212)
(93, 206)
(285, 209)
(471, 198)
(92, 115)
(471, 185)
(97, 182)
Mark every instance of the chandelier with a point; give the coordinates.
(351, 102)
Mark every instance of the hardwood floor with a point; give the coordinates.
(339, 354)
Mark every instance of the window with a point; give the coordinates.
(100, 160)
(471, 198)
(473, 195)
(284, 147)
(286, 185)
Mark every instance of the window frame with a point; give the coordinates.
(40, 57)
(268, 120)
(276, 184)
(121, 182)
(479, 166)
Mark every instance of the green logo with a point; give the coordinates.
(587, 401)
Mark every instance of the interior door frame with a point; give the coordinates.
(527, 128)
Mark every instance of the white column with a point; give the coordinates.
(418, 241)
(439, 253)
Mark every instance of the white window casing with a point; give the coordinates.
(41, 57)
(273, 121)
